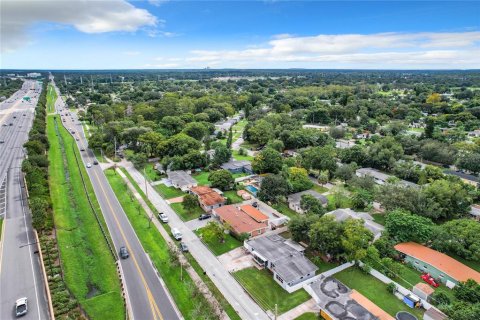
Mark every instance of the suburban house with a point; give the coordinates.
(423, 291)
(181, 180)
(368, 222)
(294, 199)
(208, 198)
(381, 178)
(439, 265)
(243, 219)
(284, 258)
(237, 166)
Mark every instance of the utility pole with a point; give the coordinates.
(146, 193)
(115, 146)
(276, 311)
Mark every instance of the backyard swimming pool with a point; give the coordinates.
(253, 190)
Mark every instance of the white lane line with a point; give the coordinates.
(29, 249)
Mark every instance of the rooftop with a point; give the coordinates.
(290, 263)
(344, 214)
(207, 195)
(181, 178)
(296, 197)
(441, 261)
(424, 288)
(254, 213)
(235, 164)
(238, 220)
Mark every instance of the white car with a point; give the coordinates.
(21, 307)
(163, 217)
(89, 165)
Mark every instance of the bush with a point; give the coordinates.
(391, 287)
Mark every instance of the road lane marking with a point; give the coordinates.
(1, 242)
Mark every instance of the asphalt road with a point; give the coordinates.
(146, 292)
(20, 274)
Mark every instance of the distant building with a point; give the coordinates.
(244, 219)
(295, 198)
(382, 178)
(284, 258)
(208, 198)
(33, 75)
(238, 166)
(439, 265)
(181, 180)
(344, 144)
(474, 133)
(368, 222)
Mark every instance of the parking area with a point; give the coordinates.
(195, 224)
(237, 259)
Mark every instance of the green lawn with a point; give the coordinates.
(232, 196)
(240, 174)
(51, 98)
(151, 173)
(239, 157)
(343, 202)
(202, 178)
(237, 129)
(308, 316)
(284, 209)
(168, 192)
(379, 218)
(182, 291)
(187, 215)
(261, 286)
(89, 268)
(218, 248)
(319, 189)
(375, 291)
(286, 234)
(318, 261)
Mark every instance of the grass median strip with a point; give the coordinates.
(188, 299)
(89, 268)
(51, 98)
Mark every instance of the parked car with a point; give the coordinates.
(204, 216)
(124, 253)
(183, 247)
(21, 307)
(163, 217)
(177, 235)
(255, 204)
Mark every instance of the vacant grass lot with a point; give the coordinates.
(168, 192)
(240, 157)
(183, 292)
(186, 215)
(151, 173)
(283, 208)
(232, 196)
(261, 286)
(308, 316)
(218, 248)
(51, 98)
(89, 269)
(202, 178)
(319, 189)
(375, 290)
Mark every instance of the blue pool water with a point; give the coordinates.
(253, 190)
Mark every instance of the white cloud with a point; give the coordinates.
(89, 16)
(381, 50)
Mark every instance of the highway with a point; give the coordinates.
(20, 274)
(147, 296)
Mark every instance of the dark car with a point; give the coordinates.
(124, 253)
(183, 247)
(10, 124)
(255, 204)
(204, 216)
(95, 162)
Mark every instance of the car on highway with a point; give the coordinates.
(77, 139)
(10, 124)
(14, 117)
(2, 141)
(89, 165)
(24, 114)
(95, 162)
(21, 307)
(123, 253)
(163, 217)
(183, 247)
(82, 149)
(204, 216)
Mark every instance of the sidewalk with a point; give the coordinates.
(193, 274)
(228, 286)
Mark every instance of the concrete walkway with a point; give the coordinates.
(228, 286)
(193, 274)
(307, 306)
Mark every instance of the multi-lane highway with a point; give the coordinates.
(20, 274)
(146, 293)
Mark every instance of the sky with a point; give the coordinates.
(162, 34)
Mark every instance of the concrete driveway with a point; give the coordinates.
(237, 259)
(197, 224)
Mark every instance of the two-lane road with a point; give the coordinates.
(146, 293)
(20, 274)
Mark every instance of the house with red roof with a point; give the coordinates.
(242, 219)
(440, 266)
(208, 198)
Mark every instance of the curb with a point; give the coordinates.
(45, 278)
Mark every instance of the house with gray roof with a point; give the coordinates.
(368, 222)
(382, 178)
(181, 180)
(295, 198)
(238, 166)
(284, 258)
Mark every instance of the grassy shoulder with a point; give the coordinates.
(375, 290)
(183, 291)
(51, 98)
(261, 286)
(89, 268)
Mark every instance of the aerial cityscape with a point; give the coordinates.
(250, 159)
